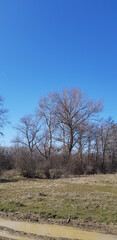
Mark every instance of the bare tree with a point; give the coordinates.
(81, 141)
(105, 130)
(72, 110)
(112, 147)
(3, 115)
(28, 133)
(3, 122)
(97, 143)
(90, 139)
(45, 111)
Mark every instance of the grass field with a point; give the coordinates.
(87, 198)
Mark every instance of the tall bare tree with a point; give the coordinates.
(97, 143)
(112, 147)
(90, 139)
(105, 131)
(81, 141)
(46, 112)
(72, 109)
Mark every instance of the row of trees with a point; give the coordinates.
(66, 132)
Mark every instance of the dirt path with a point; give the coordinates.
(47, 231)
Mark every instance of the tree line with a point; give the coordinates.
(64, 135)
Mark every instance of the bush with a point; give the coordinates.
(75, 167)
(25, 164)
(6, 159)
(90, 170)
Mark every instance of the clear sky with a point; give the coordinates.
(47, 45)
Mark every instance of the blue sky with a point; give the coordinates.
(47, 45)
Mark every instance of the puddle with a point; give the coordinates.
(55, 231)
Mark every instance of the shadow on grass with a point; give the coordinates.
(8, 180)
